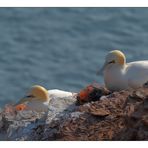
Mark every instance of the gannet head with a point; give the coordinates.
(114, 57)
(38, 92)
(37, 99)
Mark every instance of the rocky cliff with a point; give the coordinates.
(101, 115)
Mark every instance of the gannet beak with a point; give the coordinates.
(100, 72)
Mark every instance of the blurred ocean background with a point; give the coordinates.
(64, 47)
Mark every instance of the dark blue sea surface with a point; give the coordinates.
(64, 47)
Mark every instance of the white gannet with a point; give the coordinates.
(119, 75)
(38, 98)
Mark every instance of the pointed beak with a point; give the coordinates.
(100, 72)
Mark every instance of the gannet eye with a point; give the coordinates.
(113, 61)
(29, 96)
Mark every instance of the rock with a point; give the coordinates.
(119, 115)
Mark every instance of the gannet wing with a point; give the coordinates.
(59, 93)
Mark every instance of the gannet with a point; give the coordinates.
(38, 98)
(119, 75)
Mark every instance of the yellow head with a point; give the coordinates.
(39, 93)
(36, 93)
(114, 57)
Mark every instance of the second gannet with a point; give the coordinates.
(119, 75)
(38, 98)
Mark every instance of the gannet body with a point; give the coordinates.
(119, 75)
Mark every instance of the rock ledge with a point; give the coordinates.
(116, 116)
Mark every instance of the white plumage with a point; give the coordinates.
(56, 93)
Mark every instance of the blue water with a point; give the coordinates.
(63, 47)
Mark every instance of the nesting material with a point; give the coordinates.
(92, 92)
